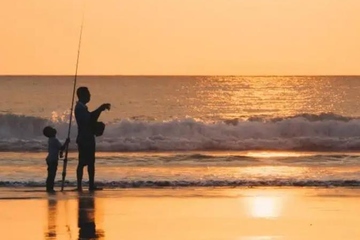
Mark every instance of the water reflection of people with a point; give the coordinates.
(52, 213)
(86, 218)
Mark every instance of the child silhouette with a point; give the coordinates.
(55, 149)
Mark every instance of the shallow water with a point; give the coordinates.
(191, 131)
(192, 169)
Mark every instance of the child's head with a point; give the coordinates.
(49, 132)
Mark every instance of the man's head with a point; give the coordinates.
(83, 94)
(49, 131)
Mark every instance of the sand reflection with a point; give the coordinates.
(87, 218)
(51, 219)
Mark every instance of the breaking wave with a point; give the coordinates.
(305, 132)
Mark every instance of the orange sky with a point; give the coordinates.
(186, 37)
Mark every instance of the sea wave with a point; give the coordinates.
(305, 132)
(203, 183)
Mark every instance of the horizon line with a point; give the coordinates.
(179, 75)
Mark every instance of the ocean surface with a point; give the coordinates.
(179, 131)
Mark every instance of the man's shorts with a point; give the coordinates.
(86, 154)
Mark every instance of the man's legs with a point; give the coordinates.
(91, 167)
(91, 172)
(79, 176)
(86, 158)
(80, 167)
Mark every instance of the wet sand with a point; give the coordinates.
(179, 214)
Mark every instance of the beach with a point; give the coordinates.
(183, 213)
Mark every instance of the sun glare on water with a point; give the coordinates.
(264, 206)
(274, 154)
(260, 238)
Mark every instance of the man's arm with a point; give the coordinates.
(96, 114)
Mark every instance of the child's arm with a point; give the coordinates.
(67, 141)
(64, 146)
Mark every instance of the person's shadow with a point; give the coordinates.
(52, 214)
(86, 218)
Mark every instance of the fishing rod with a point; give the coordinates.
(72, 106)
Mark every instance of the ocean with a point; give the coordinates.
(181, 131)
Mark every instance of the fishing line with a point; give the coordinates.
(72, 103)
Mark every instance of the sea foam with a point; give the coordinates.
(305, 132)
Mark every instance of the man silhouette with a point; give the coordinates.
(87, 122)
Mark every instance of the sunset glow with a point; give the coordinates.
(181, 37)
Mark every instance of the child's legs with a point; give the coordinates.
(52, 168)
